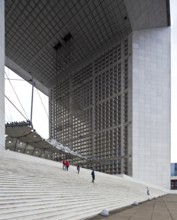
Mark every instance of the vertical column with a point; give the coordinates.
(130, 106)
(151, 105)
(70, 112)
(93, 110)
(2, 49)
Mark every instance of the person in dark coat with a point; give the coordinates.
(93, 175)
(78, 169)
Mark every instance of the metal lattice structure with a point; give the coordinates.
(106, 67)
(89, 110)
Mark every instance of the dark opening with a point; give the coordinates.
(67, 37)
(57, 46)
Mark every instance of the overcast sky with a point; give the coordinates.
(40, 117)
(24, 90)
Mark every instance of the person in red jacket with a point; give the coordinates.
(67, 165)
(64, 164)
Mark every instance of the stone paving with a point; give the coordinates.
(163, 208)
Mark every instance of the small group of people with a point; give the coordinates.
(66, 165)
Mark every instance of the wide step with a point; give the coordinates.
(34, 188)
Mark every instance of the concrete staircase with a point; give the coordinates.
(35, 188)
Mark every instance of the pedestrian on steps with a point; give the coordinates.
(148, 191)
(64, 164)
(78, 169)
(67, 165)
(93, 175)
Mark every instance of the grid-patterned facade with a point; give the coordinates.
(30, 44)
(113, 106)
(89, 110)
(2, 46)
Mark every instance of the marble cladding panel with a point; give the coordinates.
(151, 105)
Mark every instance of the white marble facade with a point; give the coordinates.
(151, 105)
